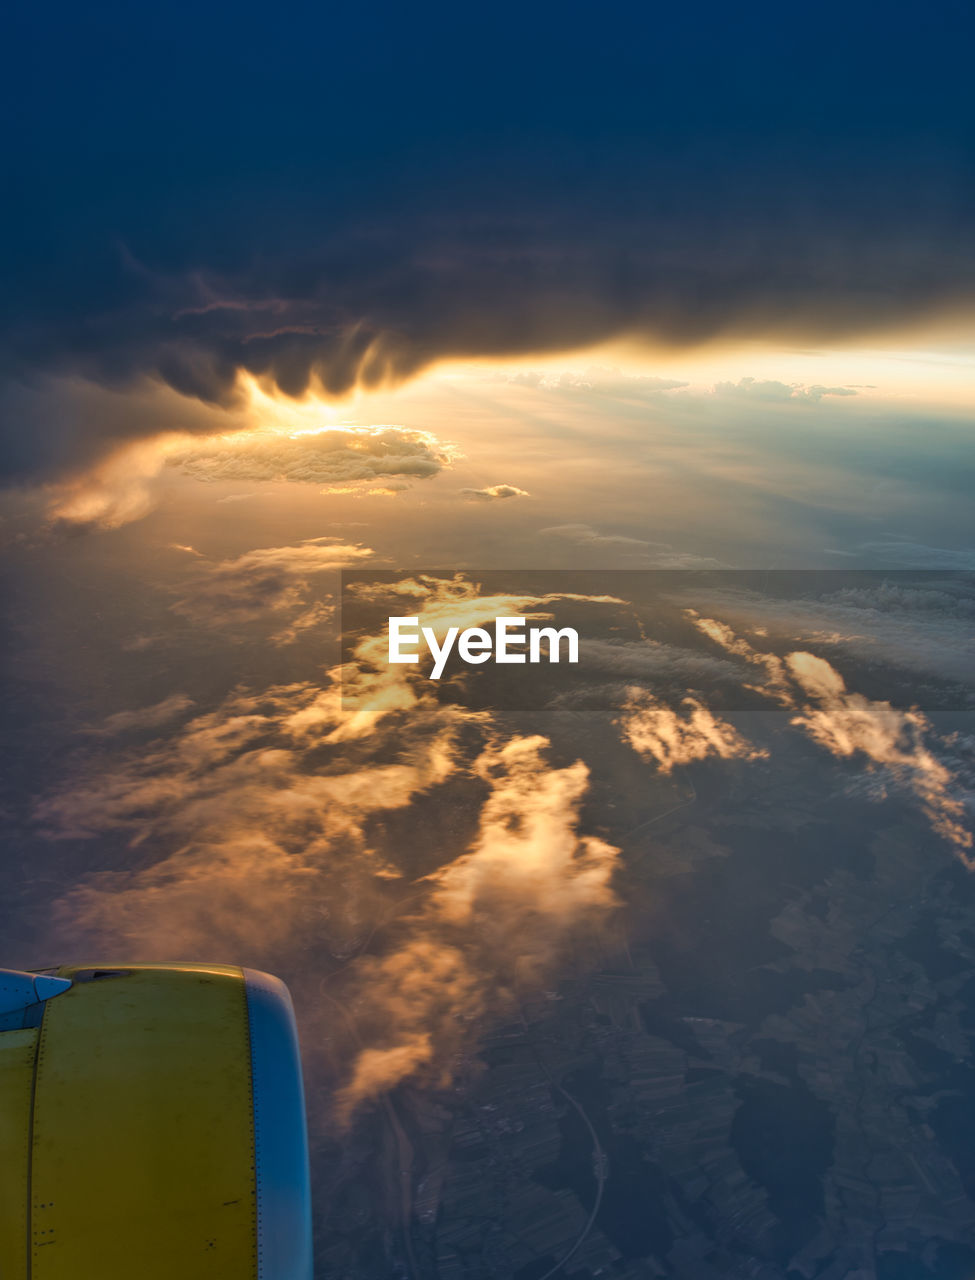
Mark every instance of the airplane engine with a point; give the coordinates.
(152, 1126)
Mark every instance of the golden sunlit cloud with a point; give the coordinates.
(115, 492)
(263, 814)
(499, 920)
(775, 684)
(673, 738)
(495, 491)
(330, 456)
(848, 725)
(281, 441)
(381, 432)
(377, 440)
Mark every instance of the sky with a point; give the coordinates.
(344, 196)
(528, 288)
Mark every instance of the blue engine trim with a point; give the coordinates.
(23, 996)
(284, 1247)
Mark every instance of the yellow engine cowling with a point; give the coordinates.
(151, 1125)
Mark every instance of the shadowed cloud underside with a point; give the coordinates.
(329, 200)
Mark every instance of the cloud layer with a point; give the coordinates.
(499, 921)
(259, 830)
(900, 747)
(284, 827)
(265, 582)
(679, 737)
(442, 292)
(340, 456)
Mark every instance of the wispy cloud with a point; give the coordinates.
(903, 553)
(660, 555)
(143, 718)
(266, 583)
(900, 744)
(679, 737)
(495, 491)
(772, 390)
(497, 923)
(924, 625)
(113, 493)
(848, 725)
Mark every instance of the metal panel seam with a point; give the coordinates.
(29, 1243)
(255, 1138)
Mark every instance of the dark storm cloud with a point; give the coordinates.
(341, 197)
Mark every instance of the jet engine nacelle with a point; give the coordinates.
(152, 1125)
